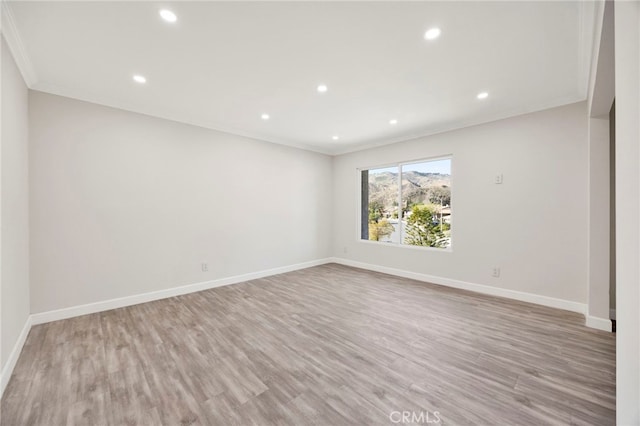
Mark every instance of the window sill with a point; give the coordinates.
(406, 246)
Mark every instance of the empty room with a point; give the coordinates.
(320, 213)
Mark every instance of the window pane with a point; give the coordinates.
(380, 205)
(426, 204)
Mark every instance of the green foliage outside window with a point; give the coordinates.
(424, 227)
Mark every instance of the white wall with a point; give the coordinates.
(124, 204)
(14, 212)
(599, 224)
(627, 56)
(533, 226)
(601, 96)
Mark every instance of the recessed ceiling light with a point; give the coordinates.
(394, 121)
(168, 15)
(322, 88)
(432, 34)
(335, 138)
(139, 79)
(483, 95)
(265, 116)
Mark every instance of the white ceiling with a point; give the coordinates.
(223, 64)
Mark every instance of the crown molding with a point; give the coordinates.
(588, 33)
(158, 112)
(10, 32)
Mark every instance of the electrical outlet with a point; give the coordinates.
(495, 272)
(345, 250)
(497, 179)
(205, 267)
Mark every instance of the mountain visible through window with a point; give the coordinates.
(408, 204)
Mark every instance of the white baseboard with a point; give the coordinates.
(7, 371)
(91, 308)
(612, 314)
(598, 323)
(478, 288)
(74, 311)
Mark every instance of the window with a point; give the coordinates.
(407, 204)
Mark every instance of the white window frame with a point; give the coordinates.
(359, 171)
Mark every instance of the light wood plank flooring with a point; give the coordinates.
(329, 345)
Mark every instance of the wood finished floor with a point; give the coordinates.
(329, 345)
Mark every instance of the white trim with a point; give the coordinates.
(157, 111)
(399, 165)
(121, 302)
(552, 302)
(476, 120)
(588, 37)
(74, 311)
(598, 323)
(612, 314)
(106, 305)
(7, 371)
(406, 246)
(12, 36)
